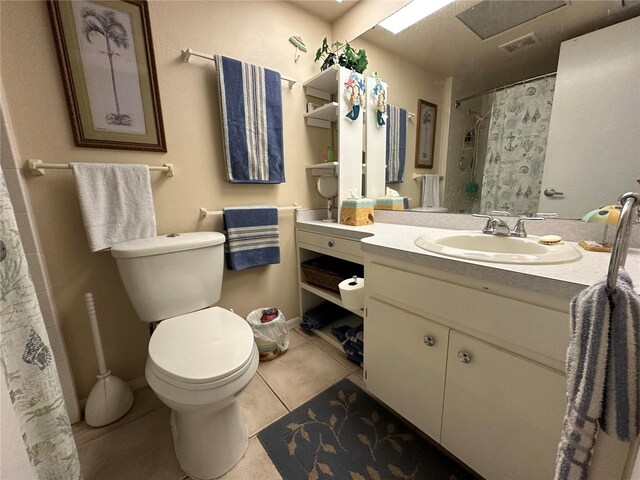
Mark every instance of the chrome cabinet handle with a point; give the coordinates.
(429, 341)
(551, 192)
(464, 357)
(330, 243)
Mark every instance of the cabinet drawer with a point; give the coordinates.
(502, 414)
(542, 331)
(331, 245)
(405, 358)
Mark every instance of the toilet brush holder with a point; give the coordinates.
(110, 398)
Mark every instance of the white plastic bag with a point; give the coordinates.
(271, 338)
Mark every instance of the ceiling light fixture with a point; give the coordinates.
(412, 13)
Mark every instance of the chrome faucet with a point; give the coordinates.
(497, 226)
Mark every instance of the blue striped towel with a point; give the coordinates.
(396, 143)
(252, 237)
(603, 366)
(251, 109)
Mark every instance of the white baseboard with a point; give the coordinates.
(138, 383)
(293, 322)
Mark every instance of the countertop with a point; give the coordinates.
(559, 279)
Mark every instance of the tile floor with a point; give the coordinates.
(139, 445)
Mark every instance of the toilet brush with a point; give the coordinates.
(110, 397)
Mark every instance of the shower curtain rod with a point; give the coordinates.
(458, 102)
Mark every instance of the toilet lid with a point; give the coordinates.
(202, 346)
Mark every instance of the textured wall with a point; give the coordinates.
(256, 32)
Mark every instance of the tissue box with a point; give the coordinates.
(357, 212)
(390, 203)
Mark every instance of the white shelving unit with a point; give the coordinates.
(376, 146)
(311, 245)
(323, 84)
(328, 85)
(327, 168)
(323, 116)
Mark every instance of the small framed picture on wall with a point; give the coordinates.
(109, 74)
(426, 134)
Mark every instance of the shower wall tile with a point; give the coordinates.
(26, 233)
(6, 157)
(46, 307)
(66, 382)
(35, 268)
(16, 190)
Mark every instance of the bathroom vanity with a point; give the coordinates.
(472, 353)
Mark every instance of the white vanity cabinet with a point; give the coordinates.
(491, 406)
(406, 359)
(502, 413)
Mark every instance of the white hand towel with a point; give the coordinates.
(115, 201)
(430, 191)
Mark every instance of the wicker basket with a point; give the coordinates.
(328, 272)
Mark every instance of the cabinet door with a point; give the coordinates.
(502, 414)
(405, 359)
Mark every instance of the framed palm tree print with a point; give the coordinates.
(425, 134)
(108, 70)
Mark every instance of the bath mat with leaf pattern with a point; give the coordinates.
(343, 433)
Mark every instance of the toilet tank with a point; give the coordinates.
(170, 275)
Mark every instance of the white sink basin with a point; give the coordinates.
(492, 248)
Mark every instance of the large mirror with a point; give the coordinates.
(490, 68)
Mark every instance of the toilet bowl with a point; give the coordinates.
(198, 363)
(200, 357)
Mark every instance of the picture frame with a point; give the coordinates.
(427, 115)
(105, 51)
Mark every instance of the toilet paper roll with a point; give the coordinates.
(352, 293)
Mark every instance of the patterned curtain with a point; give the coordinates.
(517, 146)
(27, 361)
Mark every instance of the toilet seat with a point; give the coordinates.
(201, 350)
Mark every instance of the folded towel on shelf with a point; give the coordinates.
(356, 334)
(603, 366)
(340, 332)
(322, 315)
(396, 143)
(115, 201)
(354, 347)
(356, 358)
(430, 191)
(251, 111)
(253, 239)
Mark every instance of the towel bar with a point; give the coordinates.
(415, 176)
(630, 201)
(186, 55)
(207, 213)
(37, 167)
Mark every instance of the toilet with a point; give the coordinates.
(200, 356)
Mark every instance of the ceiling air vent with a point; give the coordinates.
(526, 41)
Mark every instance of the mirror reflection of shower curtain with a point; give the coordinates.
(27, 362)
(516, 148)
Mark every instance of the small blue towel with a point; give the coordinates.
(251, 110)
(252, 237)
(396, 143)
